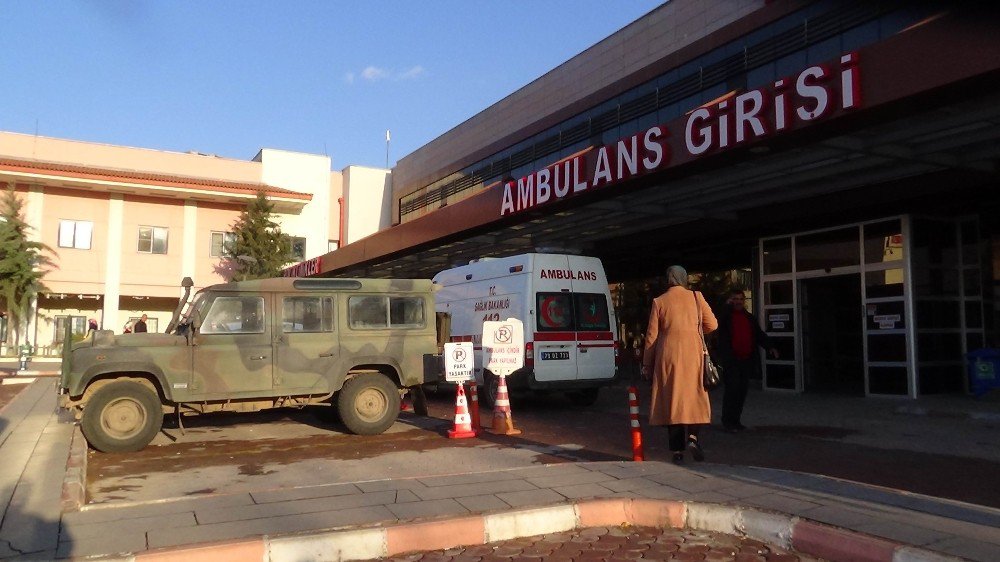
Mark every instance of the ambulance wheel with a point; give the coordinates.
(584, 397)
(491, 385)
(368, 404)
(122, 417)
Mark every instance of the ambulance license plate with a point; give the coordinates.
(555, 355)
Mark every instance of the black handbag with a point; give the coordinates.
(711, 374)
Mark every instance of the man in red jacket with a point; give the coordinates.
(739, 336)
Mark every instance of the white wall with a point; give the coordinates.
(305, 173)
(368, 202)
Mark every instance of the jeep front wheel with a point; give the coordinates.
(121, 417)
(368, 404)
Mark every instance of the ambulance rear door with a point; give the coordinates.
(594, 318)
(555, 350)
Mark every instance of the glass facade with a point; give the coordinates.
(919, 282)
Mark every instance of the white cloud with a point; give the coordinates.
(414, 72)
(372, 73)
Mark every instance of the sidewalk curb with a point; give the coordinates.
(74, 487)
(804, 536)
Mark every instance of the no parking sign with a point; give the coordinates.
(458, 361)
(503, 346)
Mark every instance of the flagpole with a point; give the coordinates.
(387, 137)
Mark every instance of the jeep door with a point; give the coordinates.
(232, 358)
(306, 343)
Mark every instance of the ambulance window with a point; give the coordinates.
(554, 311)
(591, 311)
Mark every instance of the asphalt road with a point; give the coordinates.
(286, 448)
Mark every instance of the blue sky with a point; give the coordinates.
(230, 77)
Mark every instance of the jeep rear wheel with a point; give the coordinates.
(121, 417)
(368, 404)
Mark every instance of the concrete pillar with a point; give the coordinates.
(113, 263)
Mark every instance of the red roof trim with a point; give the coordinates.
(161, 180)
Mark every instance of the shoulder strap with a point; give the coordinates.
(704, 346)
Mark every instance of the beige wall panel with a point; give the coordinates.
(151, 274)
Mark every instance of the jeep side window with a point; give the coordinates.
(307, 314)
(239, 315)
(385, 312)
(406, 312)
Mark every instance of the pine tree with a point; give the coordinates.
(23, 263)
(259, 249)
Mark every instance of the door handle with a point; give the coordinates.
(583, 349)
(258, 357)
(331, 354)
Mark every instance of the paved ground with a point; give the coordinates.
(35, 443)
(942, 452)
(614, 544)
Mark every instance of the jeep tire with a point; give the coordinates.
(121, 417)
(368, 404)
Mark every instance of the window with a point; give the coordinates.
(298, 248)
(591, 312)
(332, 245)
(234, 315)
(75, 234)
(406, 312)
(79, 324)
(383, 312)
(555, 311)
(307, 314)
(219, 242)
(152, 240)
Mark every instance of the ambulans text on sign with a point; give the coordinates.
(734, 119)
(458, 362)
(503, 346)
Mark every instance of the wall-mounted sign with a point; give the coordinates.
(732, 120)
(304, 268)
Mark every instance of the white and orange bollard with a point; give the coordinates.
(463, 423)
(503, 423)
(633, 412)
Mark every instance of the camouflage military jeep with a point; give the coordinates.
(347, 344)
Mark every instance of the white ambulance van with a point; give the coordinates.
(565, 305)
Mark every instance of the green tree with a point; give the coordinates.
(259, 249)
(23, 263)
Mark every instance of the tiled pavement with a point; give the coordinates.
(34, 445)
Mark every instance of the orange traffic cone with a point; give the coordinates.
(463, 423)
(503, 424)
(474, 405)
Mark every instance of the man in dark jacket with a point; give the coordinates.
(737, 340)
(140, 325)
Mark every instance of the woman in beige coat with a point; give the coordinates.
(673, 355)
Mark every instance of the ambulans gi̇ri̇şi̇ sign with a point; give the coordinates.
(503, 346)
(458, 361)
